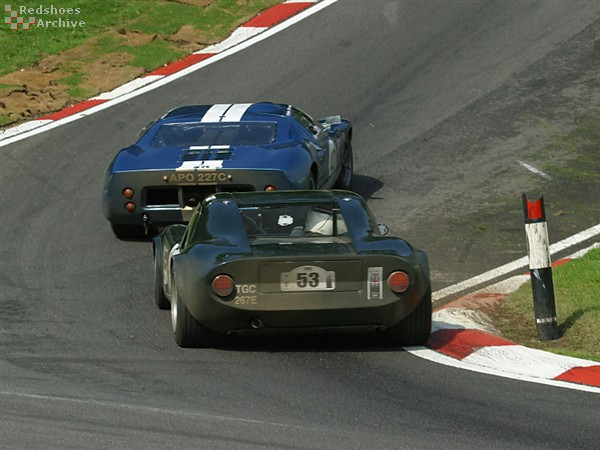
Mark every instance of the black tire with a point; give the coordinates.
(187, 331)
(312, 182)
(414, 329)
(159, 294)
(128, 232)
(344, 180)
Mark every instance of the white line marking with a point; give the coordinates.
(583, 251)
(534, 170)
(439, 358)
(515, 265)
(22, 128)
(127, 87)
(144, 409)
(240, 35)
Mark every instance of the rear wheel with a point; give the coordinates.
(187, 331)
(414, 329)
(159, 294)
(312, 183)
(344, 180)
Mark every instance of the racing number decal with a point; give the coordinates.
(308, 278)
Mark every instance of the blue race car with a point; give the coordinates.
(195, 151)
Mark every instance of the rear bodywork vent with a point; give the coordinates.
(162, 196)
(181, 196)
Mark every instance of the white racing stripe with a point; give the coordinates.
(203, 164)
(193, 165)
(235, 113)
(226, 112)
(215, 113)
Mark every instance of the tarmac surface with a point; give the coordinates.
(471, 90)
(461, 330)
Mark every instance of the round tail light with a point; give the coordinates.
(222, 285)
(270, 188)
(398, 281)
(128, 192)
(130, 207)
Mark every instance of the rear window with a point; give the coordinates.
(294, 221)
(208, 134)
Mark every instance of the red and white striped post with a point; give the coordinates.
(540, 268)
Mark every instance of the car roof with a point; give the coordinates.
(263, 198)
(229, 112)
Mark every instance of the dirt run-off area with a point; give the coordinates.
(77, 74)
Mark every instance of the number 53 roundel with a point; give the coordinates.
(308, 278)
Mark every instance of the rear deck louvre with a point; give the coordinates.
(206, 154)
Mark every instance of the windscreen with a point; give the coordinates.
(294, 221)
(210, 134)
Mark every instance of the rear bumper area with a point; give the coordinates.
(259, 330)
(230, 320)
(163, 199)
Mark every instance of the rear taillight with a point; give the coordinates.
(128, 193)
(270, 188)
(222, 285)
(130, 207)
(398, 281)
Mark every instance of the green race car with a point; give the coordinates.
(258, 263)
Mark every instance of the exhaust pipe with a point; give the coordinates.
(192, 201)
(256, 323)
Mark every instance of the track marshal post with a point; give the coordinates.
(540, 268)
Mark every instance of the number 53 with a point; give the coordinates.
(304, 279)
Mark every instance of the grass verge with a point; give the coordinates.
(577, 296)
(59, 61)
(213, 18)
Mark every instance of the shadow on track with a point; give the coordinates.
(366, 186)
(316, 343)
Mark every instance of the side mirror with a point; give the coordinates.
(383, 229)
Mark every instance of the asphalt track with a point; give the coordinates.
(88, 362)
